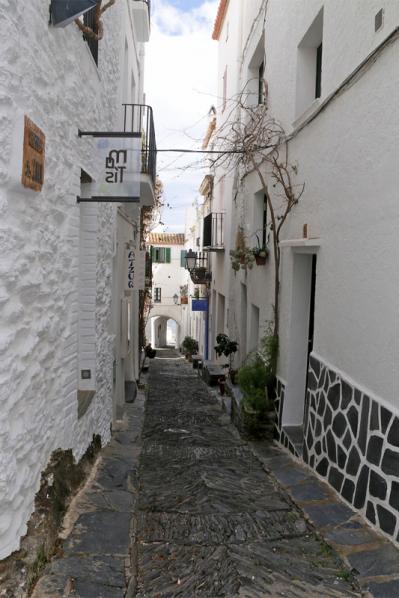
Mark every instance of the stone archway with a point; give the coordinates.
(157, 326)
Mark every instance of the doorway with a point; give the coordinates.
(302, 327)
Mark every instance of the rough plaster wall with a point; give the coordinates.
(49, 75)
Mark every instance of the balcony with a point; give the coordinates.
(200, 274)
(138, 118)
(213, 234)
(141, 10)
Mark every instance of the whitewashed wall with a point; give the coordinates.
(49, 75)
(346, 156)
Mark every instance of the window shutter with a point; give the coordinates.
(167, 255)
(153, 254)
(183, 254)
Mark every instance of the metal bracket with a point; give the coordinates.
(107, 199)
(108, 134)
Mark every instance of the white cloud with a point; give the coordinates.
(181, 72)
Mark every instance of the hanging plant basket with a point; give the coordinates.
(260, 261)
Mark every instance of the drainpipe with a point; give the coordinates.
(207, 331)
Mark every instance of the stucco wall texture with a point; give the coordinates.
(49, 75)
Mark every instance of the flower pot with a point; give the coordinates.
(260, 261)
(184, 300)
(222, 384)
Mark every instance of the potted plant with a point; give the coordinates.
(241, 256)
(184, 294)
(257, 410)
(225, 346)
(190, 347)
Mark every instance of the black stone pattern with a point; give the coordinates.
(352, 441)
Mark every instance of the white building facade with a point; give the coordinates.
(328, 73)
(166, 324)
(68, 333)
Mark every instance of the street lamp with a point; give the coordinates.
(63, 12)
(191, 259)
(175, 299)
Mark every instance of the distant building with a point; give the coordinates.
(169, 289)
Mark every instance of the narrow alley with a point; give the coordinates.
(205, 517)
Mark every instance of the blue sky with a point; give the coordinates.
(186, 5)
(180, 85)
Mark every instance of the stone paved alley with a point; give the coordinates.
(188, 509)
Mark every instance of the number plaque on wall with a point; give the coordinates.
(33, 156)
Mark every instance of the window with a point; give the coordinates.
(183, 254)
(309, 66)
(379, 20)
(261, 83)
(157, 295)
(160, 255)
(319, 54)
(255, 88)
(88, 20)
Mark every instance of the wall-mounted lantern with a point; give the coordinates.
(191, 260)
(63, 12)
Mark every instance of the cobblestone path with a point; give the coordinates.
(209, 520)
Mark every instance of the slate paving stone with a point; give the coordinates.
(100, 533)
(105, 571)
(308, 491)
(329, 514)
(381, 561)
(389, 589)
(350, 537)
(113, 500)
(290, 475)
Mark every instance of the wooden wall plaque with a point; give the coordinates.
(33, 156)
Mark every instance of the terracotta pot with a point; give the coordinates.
(222, 385)
(260, 261)
(184, 300)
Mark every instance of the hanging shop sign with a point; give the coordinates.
(33, 156)
(135, 275)
(120, 159)
(199, 305)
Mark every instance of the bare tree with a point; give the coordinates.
(250, 140)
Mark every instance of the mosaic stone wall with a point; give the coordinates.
(353, 442)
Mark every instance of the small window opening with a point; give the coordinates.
(319, 57)
(379, 19)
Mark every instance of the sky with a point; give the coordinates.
(180, 85)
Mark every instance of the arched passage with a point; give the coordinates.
(165, 324)
(163, 331)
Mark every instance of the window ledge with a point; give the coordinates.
(301, 242)
(306, 113)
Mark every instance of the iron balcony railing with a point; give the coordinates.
(138, 118)
(200, 274)
(213, 234)
(89, 21)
